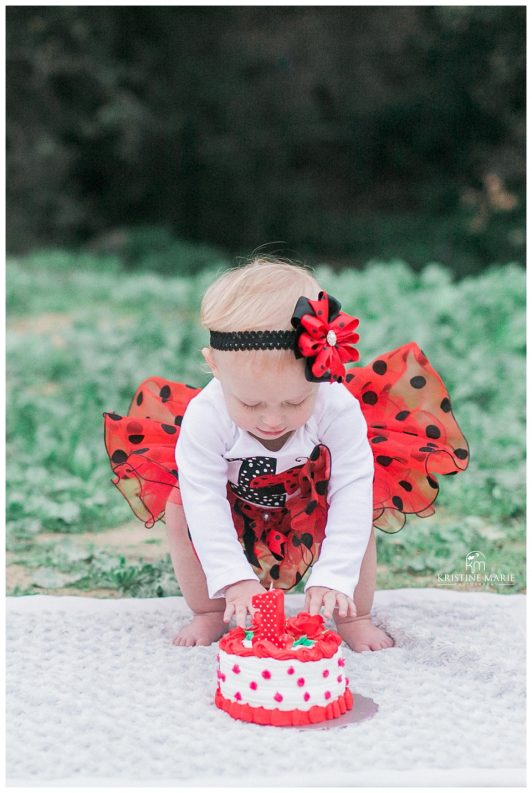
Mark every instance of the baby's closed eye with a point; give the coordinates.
(287, 404)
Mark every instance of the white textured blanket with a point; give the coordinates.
(98, 695)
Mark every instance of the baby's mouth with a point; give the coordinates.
(275, 432)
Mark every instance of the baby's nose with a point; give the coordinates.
(273, 422)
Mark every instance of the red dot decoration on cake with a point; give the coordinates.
(266, 675)
(236, 669)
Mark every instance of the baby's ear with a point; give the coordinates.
(207, 354)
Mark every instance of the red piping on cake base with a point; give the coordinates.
(285, 718)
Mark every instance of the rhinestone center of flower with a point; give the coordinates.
(331, 338)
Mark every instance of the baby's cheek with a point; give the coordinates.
(244, 420)
(304, 415)
(236, 414)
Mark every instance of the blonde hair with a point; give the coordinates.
(260, 295)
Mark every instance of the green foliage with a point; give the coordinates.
(449, 237)
(156, 248)
(134, 579)
(428, 546)
(52, 565)
(83, 346)
(360, 131)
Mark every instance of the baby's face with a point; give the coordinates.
(266, 401)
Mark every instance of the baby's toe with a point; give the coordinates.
(183, 641)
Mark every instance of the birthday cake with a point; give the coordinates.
(283, 672)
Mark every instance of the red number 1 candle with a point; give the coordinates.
(270, 606)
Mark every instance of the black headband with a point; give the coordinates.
(254, 340)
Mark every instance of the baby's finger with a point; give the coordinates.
(343, 605)
(228, 613)
(351, 608)
(240, 615)
(314, 604)
(329, 602)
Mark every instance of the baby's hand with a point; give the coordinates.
(238, 600)
(321, 596)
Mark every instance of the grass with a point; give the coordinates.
(82, 333)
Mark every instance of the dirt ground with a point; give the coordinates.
(131, 539)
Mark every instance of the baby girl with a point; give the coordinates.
(274, 474)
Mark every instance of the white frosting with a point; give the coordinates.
(323, 681)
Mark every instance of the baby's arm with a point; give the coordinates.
(350, 497)
(203, 484)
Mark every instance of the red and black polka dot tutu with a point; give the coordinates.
(411, 429)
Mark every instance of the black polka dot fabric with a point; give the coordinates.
(272, 495)
(412, 431)
(141, 446)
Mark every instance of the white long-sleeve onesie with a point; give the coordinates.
(212, 450)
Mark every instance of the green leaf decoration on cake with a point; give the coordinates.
(249, 635)
(303, 641)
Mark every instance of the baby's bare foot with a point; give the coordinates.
(361, 635)
(204, 629)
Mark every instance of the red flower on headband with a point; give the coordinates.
(326, 337)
